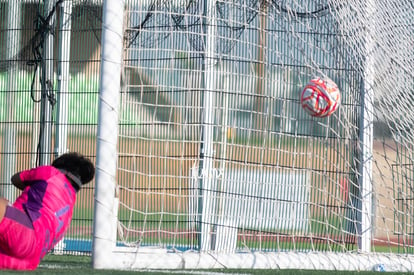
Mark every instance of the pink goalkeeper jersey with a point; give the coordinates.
(48, 201)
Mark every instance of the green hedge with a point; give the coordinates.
(82, 106)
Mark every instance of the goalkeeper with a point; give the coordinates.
(40, 216)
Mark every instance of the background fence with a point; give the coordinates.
(49, 70)
(50, 107)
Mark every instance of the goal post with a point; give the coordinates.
(104, 228)
(206, 166)
(367, 135)
(206, 159)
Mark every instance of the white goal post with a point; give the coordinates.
(205, 158)
(110, 78)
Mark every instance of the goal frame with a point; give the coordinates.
(105, 212)
(105, 221)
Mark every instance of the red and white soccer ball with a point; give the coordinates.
(320, 97)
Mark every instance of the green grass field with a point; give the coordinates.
(65, 265)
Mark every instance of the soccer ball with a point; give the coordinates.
(320, 97)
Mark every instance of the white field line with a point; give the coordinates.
(190, 272)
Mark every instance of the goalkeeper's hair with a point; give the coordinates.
(77, 165)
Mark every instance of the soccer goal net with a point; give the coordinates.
(206, 158)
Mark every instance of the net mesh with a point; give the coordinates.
(215, 151)
(278, 179)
